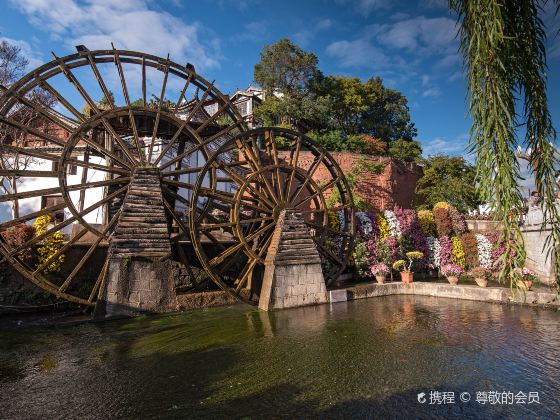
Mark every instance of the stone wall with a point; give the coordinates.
(293, 275)
(394, 187)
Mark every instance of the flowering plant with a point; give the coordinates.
(458, 252)
(399, 265)
(360, 257)
(380, 269)
(434, 255)
(384, 231)
(427, 222)
(411, 256)
(393, 223)
(364, 223)
(525, 274)
(452, 270)
(17, 235)
(457, 221)
(484, 248)
(480, 273)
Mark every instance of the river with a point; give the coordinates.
(366, 358)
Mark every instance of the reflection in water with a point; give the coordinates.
(360, 358)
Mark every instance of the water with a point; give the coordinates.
(367, 358)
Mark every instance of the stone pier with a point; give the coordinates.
(535, 238)
(293, 275)
(140, 273)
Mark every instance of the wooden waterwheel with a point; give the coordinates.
(73, 133)
(277, 170)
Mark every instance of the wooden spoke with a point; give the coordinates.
(55, 158)
(160, 104)
(29, 194)
(170, 143)
(45, 85)
(100, 81)
(84, 180)
(144, 103)
(255, 164)
(127, 100)
(61, 251)
(88, 254)
(253, 191)
(229, 198)
(42, 212)
(74, 82)
(65, 223)
(213, 117)
(328, 253)
(100, 281)
(28, 173)
(178, 183)
(172, 213)
(294, 157)
(200, 102)
(321, 190)
(188, 170)
(309, 175)
(182, 95)
(230, 224)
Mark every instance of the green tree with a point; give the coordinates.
(407, 151)
(367, 108)
(450, 179)
(503, 48)
(285, 67)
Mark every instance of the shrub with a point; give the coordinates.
(450, 270)
(399, 265)
(444, 226)
(360, 258)
(458, 252)
(17, 235)
(470, 248)
(427, 222)
(457, 221)
(49, 246)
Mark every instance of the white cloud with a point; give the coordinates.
(420, 34)
(443, 145)
(433, 4)
(432, 92)
(305, 36)
(358, 53)
(365, 7)
(130, 24)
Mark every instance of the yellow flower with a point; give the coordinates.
(441, 204)
(458, 254)
(49, 245)
(427, 222)
(384, 231)
(334, 221)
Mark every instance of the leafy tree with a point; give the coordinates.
(368, 108)
(503, 48)
(285, 67)
(407, 151)
(448, 179)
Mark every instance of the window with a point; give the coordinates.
(242, 107)
(50, 201)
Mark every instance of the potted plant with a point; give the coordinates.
(380, 270)
(452, 272)
(407, 275)
(525, 278)
(481, 275)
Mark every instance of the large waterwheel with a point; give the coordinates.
(73, 132)
(277, 169)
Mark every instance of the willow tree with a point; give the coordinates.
(503, 47)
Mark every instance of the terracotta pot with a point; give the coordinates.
(453, 280)
(407, 276)
(525, 284)
(481, 282)
(380, 278)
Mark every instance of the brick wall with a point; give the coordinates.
(394, 187)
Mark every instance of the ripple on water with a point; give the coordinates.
(360, 358)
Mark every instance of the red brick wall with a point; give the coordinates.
(394, 187)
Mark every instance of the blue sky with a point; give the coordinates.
(410, 44)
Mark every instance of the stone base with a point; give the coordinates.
(136, 285)
(537, 259)
(289, 286)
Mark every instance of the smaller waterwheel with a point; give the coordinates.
(236, 205)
